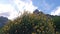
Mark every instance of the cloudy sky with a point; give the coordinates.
(11, 8)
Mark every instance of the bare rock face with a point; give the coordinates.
(37, 12)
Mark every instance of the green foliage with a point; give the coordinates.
(30, 24)
(56, 20)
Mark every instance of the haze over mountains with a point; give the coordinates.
(3, 20)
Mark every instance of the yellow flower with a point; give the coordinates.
(38, 30)
(33, 33)
(35, 27)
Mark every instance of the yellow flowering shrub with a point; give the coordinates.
(30, 23)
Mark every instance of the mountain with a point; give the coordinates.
(3, 20)
(37, 11)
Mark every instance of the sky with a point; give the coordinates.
(13, 8)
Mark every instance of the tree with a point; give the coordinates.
(29, 23)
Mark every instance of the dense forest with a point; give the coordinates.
(32, 23)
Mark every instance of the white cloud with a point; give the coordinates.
(7, 11)
(27, 5)
(56, 11)
(11, 10)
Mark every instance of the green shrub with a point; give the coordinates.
(30, 24)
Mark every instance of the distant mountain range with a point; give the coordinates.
(3, 20)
